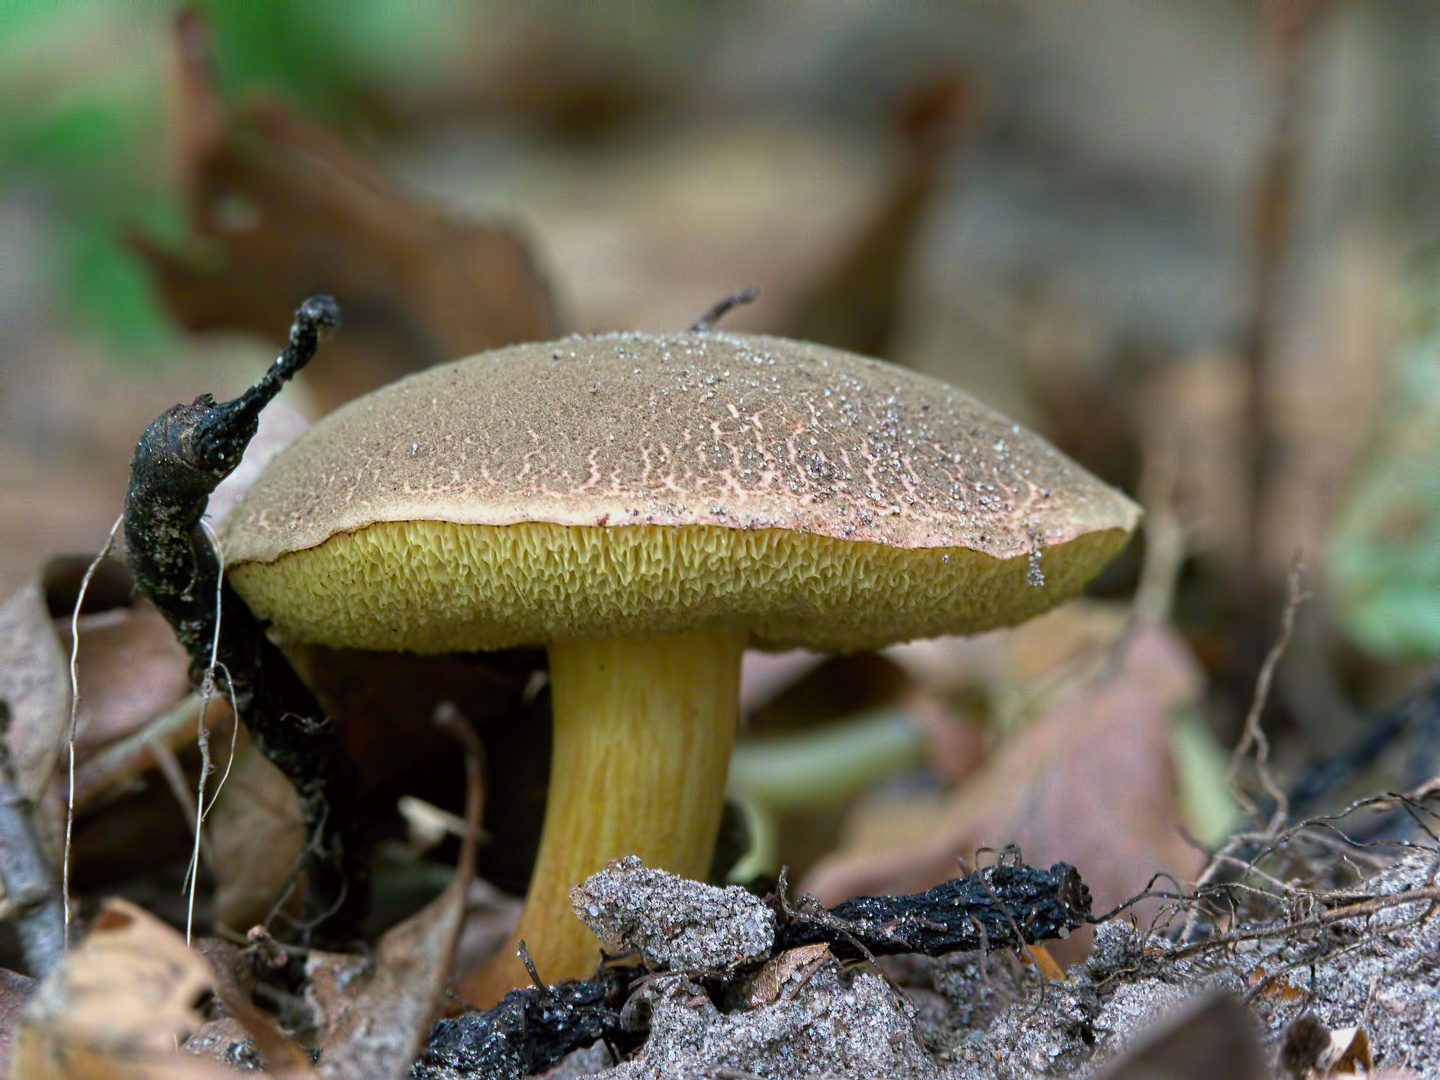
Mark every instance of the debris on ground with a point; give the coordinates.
(835, 1024)
(673, 923)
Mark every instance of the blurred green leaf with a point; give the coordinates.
(1384, 560)
(82, 92)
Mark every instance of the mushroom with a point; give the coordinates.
(647, 507)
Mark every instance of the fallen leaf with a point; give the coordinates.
(1091, 783)
(35, 682)
(280, 208)
(785, 974)
(1350, 1053)
(283, 1057)
(130, 668)
(490, 918)
(390, 1011)
(332, 983)
(381, 1032)
(119, 1006)
(123, 762)
(1278, 989)
(256, 833)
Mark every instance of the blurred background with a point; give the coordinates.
(1192, 243)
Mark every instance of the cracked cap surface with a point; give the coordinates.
(632, 484)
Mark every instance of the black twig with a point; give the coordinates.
(182, 457)
(1000, 907)
(532, 1028)
(718, 311)
(30, 885)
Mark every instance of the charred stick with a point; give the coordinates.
(983, 910)
(532, 1029)
(30, 884)
(182, 457)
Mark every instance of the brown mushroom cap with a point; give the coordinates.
(633, 484)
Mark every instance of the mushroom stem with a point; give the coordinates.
(643, 730)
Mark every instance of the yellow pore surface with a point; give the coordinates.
(435, 586)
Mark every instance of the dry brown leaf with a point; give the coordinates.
(332, 983)
(284, 1058)
(280, 208)
(118, 1007)
(381, 1032)
(490, 918)
(121, 763)
(256, 834)
(130, 669)
(785, 974)
(35, 682)
(390, 1011)
(1350, 1053)
(1091, 783)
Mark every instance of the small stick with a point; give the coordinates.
(719, 310)
(1254, 735)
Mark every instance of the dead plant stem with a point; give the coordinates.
(74, 716)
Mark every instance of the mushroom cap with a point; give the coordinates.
(636, 484)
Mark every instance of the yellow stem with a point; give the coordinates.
(643, 730)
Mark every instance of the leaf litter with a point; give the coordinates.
(1296, 921)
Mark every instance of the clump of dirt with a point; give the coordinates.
(973, 1017)
(835, 1024)
(674, 924)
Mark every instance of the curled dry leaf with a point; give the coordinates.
(786, 973)
(129, 667)
(119, 1006)
(1091, 783)
(280, 208)
(256, 833)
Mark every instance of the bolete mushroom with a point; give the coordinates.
(647, 507)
